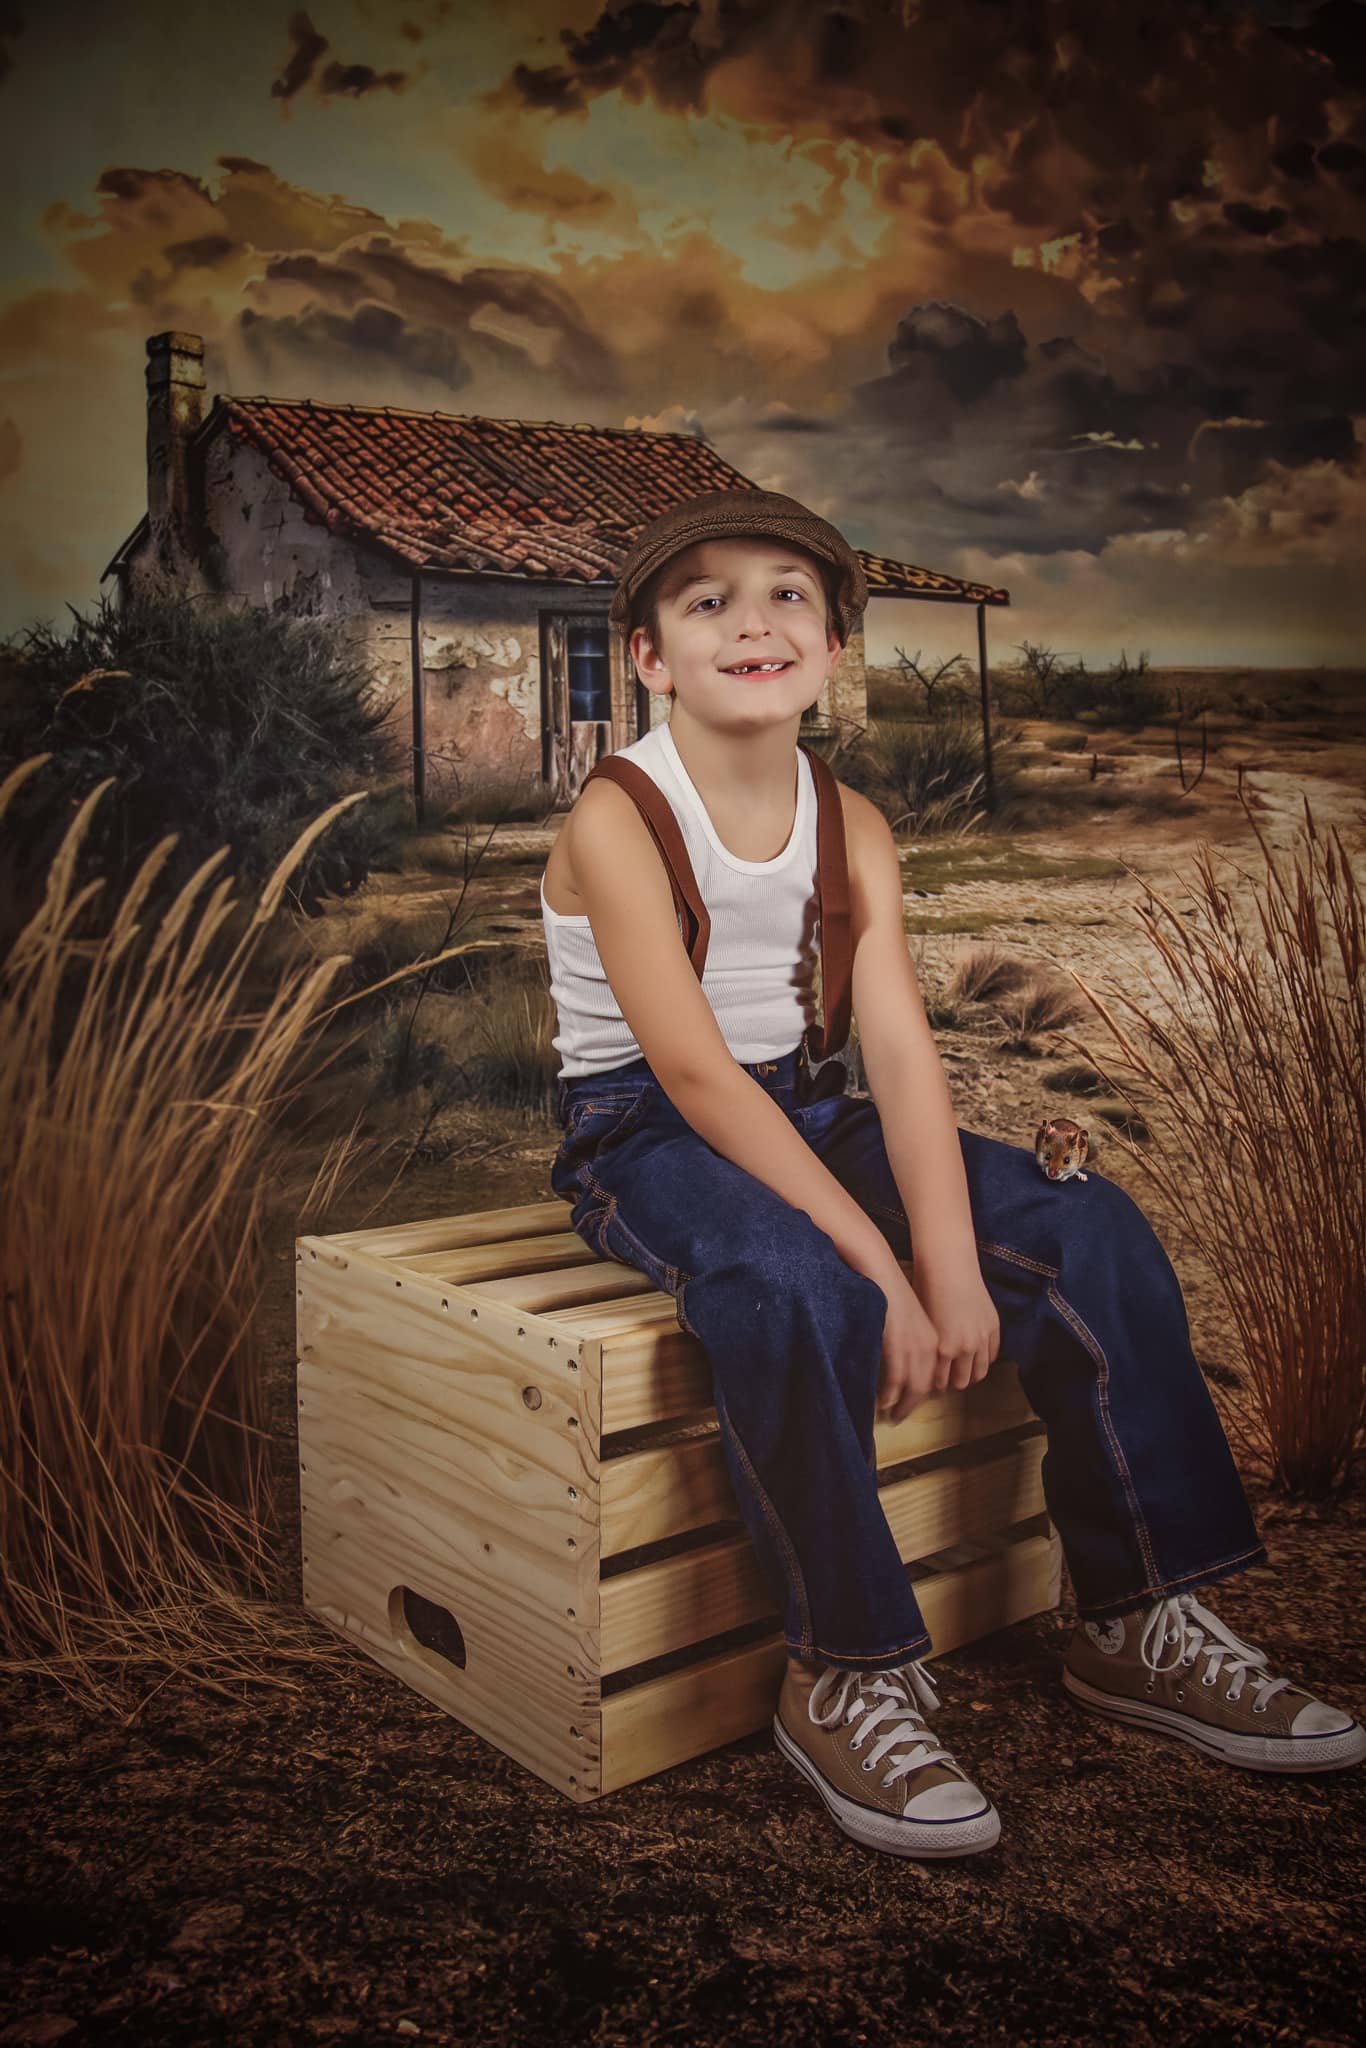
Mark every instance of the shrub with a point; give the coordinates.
(1045, 684)
(1041, 1003)
(926, 774)
(983, 973)
(225, 726)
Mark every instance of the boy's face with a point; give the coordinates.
(743, 632)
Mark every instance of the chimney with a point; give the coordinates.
(175, 406)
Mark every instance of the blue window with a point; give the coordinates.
(590, 675)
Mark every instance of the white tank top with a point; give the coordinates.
(761, 956)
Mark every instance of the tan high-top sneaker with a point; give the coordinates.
(1174, 1669)
(860, 1738)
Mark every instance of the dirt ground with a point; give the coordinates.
(345, 1862)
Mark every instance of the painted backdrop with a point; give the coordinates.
(1059, 297)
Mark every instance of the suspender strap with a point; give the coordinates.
(832, 887)
(693, 917)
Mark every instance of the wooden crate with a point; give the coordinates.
(515, 1498)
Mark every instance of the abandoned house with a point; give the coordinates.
(473, 558)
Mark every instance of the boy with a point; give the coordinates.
(701, 1148)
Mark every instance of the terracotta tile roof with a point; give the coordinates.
(887, 578)
(455, 491)
(536, 498)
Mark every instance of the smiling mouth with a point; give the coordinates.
(757, 668)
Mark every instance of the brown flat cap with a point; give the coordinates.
(743, 515)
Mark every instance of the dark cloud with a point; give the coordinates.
(642, 49)
(795, 423)
(431, 321)
(11, 24)
(1069, 120)
(307, 47)
(131, 185)
(1345, 160)
(373, 340)
(1228, 457)
(941, 344)
(1255, 220)
(326, 280)
(358, 79)
(1336, 32)
(203, 252)
(992, 442)
(301, 66)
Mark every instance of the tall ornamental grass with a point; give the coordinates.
(139, 1079)
(1250, 1060)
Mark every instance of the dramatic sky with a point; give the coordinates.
(1067, 297)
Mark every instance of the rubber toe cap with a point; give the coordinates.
(946, 1802)
(1318, 1719)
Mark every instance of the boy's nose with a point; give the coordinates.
(750, 615)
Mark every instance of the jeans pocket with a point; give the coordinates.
(596, 1121)
(594, 1125)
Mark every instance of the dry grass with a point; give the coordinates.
(1042, 1004)
(986, 973)
(139, 1084)
(1251, 1062)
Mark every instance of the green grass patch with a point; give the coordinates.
(929, 864)
(953, 921)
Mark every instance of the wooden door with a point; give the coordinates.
(589, 698)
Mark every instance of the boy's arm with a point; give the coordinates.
(906, 1076)
(625, 888)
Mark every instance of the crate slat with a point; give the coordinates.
(444, 1233)
(663, 1606)
(649, 1494)
(667, 1721)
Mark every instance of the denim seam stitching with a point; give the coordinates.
(1164, 1585)
(1139, 1521)
(670, 1272)
(1137, 1518)
(770, 1515)
(685, 1279)
(1020, 1258)
(611, 1202)
(843, 1657)
(983, 1244)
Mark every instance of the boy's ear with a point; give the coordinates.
(651, 666)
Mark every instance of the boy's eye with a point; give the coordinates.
(785, 590)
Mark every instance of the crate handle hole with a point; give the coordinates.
(423, 1624)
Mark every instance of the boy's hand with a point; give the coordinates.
(944, 1332)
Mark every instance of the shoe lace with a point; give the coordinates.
(1199, 1633)
(872, 1698)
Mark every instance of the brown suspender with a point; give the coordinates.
(832, 887)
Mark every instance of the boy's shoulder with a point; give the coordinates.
(614, 809)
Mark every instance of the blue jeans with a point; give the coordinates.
(1137, 1475)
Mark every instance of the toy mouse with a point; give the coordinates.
(1060, 1146)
